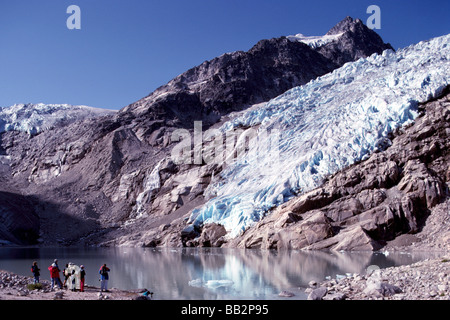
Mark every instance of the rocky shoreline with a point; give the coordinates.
(425, 280)
(17, 287)
(428, 279)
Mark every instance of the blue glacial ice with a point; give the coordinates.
(324, 126)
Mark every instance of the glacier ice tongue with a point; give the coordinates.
(35, 118)
(324, 126)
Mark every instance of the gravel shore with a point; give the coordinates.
(15, 287)
(425, 280)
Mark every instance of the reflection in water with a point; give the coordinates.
(205, 273)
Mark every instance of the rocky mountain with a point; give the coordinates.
(19, 125)
(111, 179)
(237, 80)
(337, 160)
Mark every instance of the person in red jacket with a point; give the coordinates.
(54, 274)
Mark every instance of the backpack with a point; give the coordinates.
(103, 271)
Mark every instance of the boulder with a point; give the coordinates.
(378, 288)
(212, 235)
(335, 296)
(190, 232)
(58, 295)
(317, 294)
(286, 294)
(356, 239)
(387, 289)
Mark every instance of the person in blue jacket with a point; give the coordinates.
(36, 272)
(104, 277)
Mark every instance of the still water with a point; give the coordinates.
(205, 274)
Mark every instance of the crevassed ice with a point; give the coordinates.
(35, 118)
(325, 126)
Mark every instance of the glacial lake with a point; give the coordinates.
(206, 274)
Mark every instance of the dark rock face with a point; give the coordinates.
(232, 82)
(19, 221)
(357, 41)
(92, 180)
(361, 208)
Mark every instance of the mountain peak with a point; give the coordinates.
(345, 25)
(355, 41)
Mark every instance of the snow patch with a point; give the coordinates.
(315, 41)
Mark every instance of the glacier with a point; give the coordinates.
(35, 118)
(324, 126)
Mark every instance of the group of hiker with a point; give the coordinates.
(74, 276)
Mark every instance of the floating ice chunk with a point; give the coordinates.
(198, 283)
(214, 284)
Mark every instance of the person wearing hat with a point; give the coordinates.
(82, 274)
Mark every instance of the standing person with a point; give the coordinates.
(35, 270)
(66, 275)
(54, 274)
(104, 277)
(82, 275)
(57, 271)
(73, 280)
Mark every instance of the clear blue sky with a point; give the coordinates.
(126, 49)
